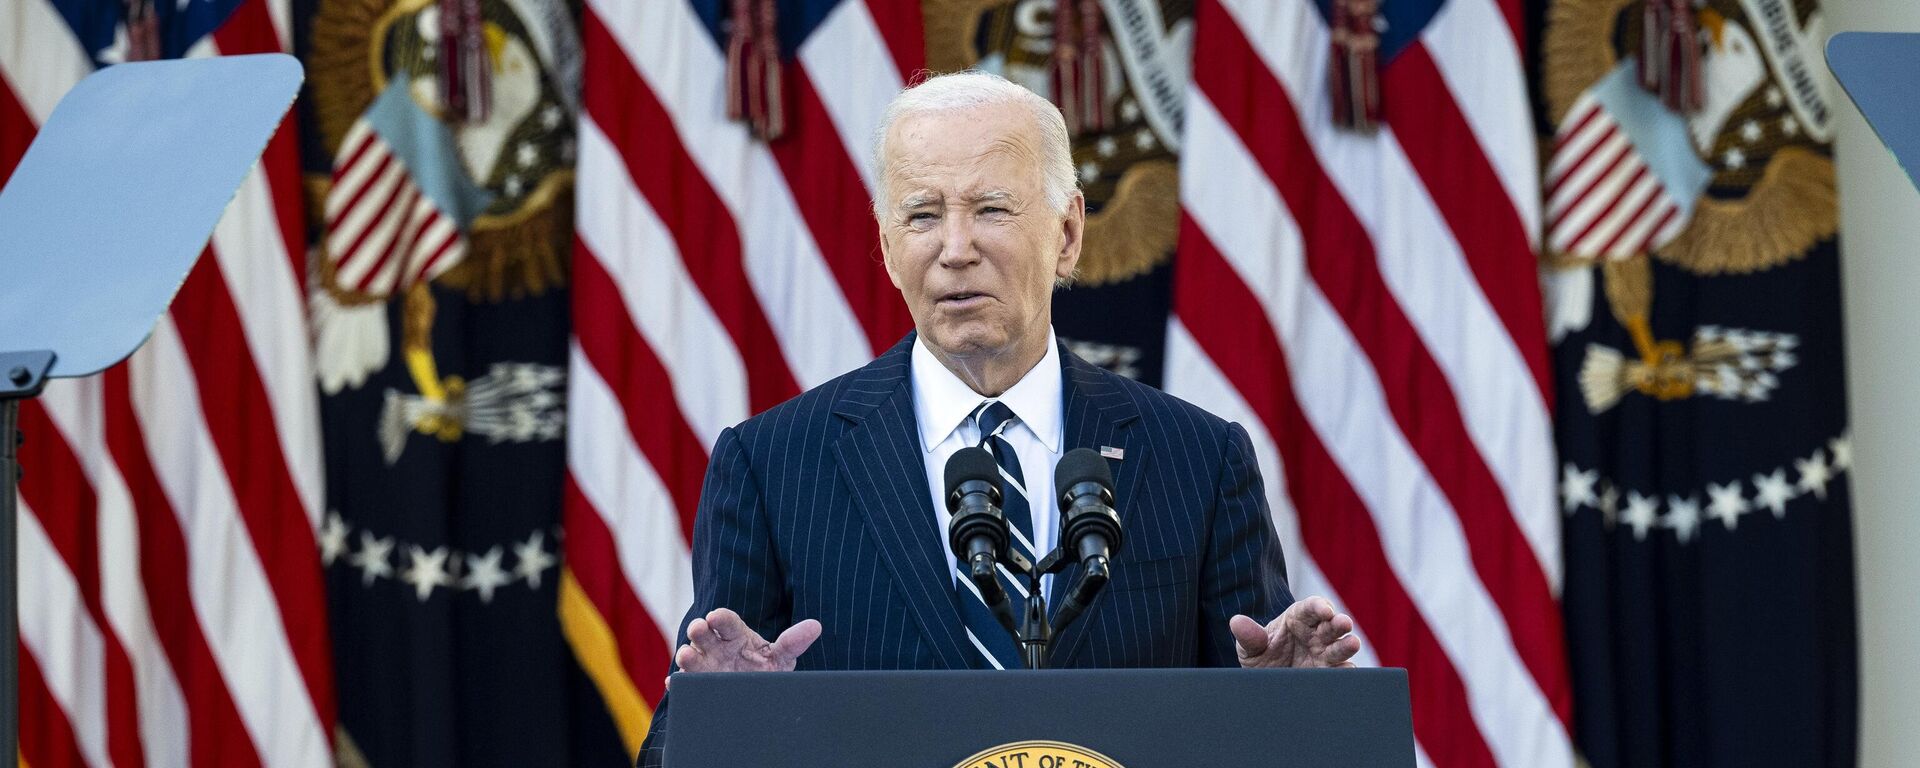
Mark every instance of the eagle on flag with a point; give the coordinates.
(451, 165)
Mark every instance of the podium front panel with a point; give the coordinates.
(1148, 718)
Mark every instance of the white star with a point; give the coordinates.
(550, 117)
(372, 558)
(429, 570)
(1576, 488)
(1609, 504)
(533, 559)
(527, 154)
(1750, 131)
(1773, 492)
(1640, 514)
(333, 538)
(1789, 126)
(1129, 111)
(1842, 448)
(1106, 146)
(513, 185)
(1089, 172)
(1774, 98)
(1814, 474)
(1728, 503)
(484, 574)
(1734, 158)
(1683, 517)
(1143, 139)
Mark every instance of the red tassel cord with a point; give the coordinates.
(143, 30)
(466, 68)
(753, 69)
(1355, 70)
(1670, 54)
(1079, 65)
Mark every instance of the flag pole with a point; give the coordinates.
(22, 375)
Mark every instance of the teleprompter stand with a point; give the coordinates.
(99, 224)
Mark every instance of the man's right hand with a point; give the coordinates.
(722, 642)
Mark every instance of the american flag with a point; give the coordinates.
(171, 607)
(1366, 304)
(715, 275)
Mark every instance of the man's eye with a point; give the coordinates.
(920, 217)
(993, 209)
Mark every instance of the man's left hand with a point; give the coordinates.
(1310, 633)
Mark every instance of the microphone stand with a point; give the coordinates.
(1036, 628)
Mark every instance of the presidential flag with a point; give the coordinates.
(442, 171)
(1356, 285)
(1704, 449)
(171, 603)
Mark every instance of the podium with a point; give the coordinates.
(1103, 718)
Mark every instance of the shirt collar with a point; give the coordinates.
(942, 402)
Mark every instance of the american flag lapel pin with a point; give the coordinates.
(1117, 454)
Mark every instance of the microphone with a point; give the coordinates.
(978, 532)
(1088, 525)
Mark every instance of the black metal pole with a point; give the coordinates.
(1036, 631)
(9, 582)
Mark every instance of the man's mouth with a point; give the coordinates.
(963, 298)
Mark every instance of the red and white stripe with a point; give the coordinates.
(1603, 201)
(383, 233)
(1367, 305)
(172, 607)
(714, 277)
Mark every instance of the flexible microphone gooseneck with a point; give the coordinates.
(1088, 524)
(978, 532)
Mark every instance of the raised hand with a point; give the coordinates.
(1310, 633)
(722, 642)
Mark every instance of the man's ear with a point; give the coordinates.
(1073, 230)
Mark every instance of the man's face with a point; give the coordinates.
(969, 238)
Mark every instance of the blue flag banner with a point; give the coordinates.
(1694, 306)
(440, 192)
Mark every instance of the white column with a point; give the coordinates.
(1880, 274)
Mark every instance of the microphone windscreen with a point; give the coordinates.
(1081, 465)
(971, 463)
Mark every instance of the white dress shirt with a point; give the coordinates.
(941, 405)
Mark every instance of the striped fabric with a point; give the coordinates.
(386, 233)
(1603, 200)
(171, 603)
(1367, 306)
(983, 630)
(714, 277)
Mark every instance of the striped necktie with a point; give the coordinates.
(992, 640)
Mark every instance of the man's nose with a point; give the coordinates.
(956, 241)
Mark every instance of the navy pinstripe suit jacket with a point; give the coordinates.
(818, 509)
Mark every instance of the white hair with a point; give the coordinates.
(974, 88)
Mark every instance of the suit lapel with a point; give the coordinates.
(881, 461)
(1098, 415)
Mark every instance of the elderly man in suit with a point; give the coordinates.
(822, 522)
